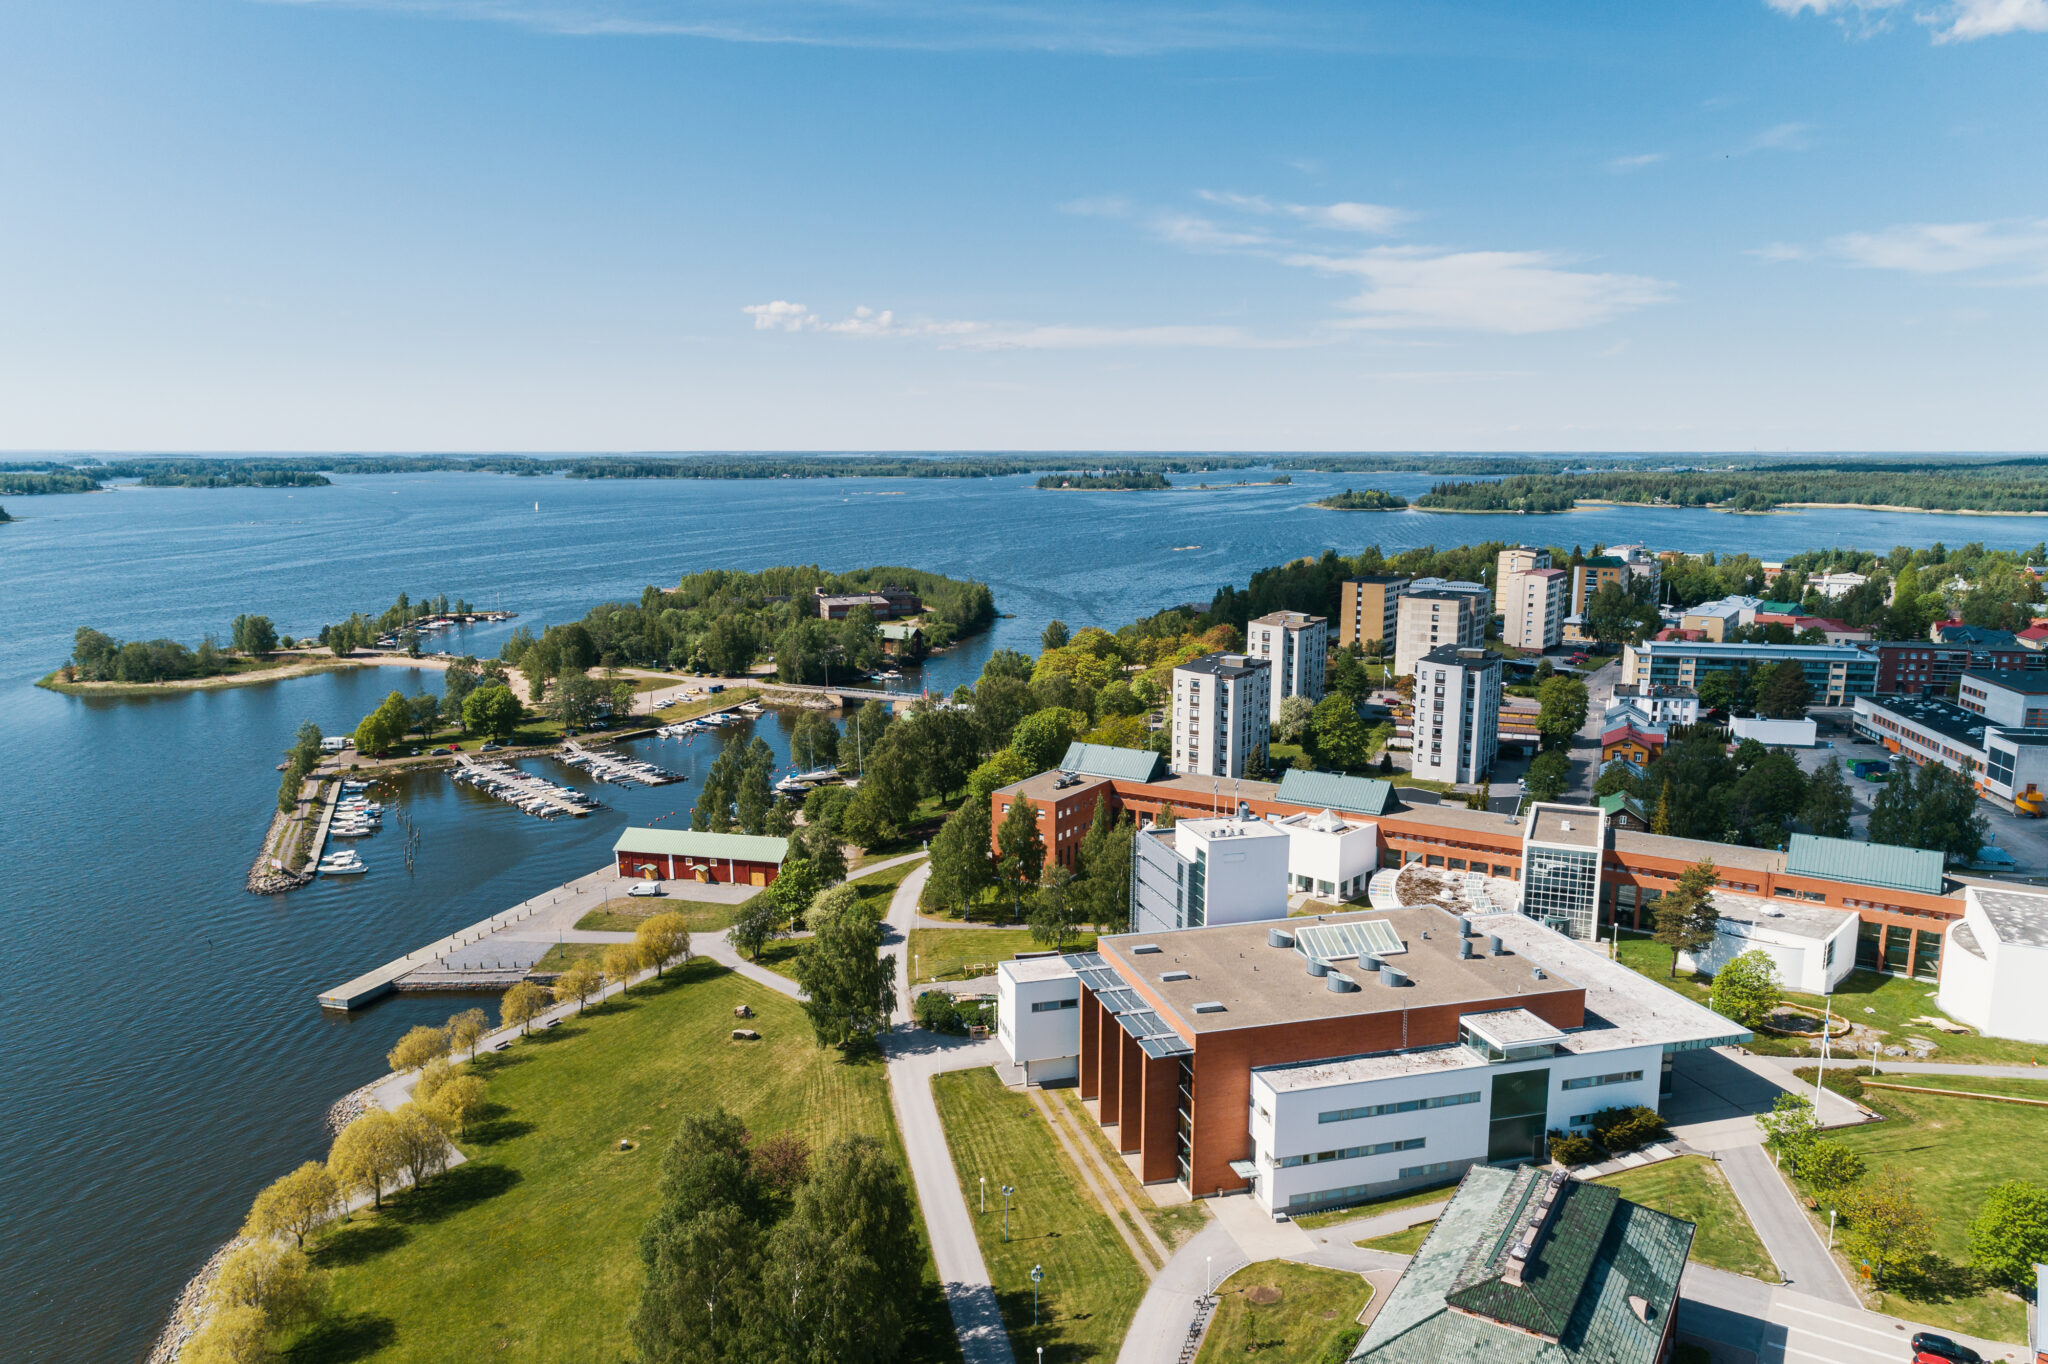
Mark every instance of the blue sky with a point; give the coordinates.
(908, 224)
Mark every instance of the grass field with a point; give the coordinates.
(1400, 1242)
(1893, 1001)
(1956, 1150)
(1974, 1084)
(1395, 1203)
(963, 953)
(1091, 1285)
(1693, 1187)
(564, 954)
(626, 915)
(1172, 1223)
(529, 1251)
(1315, 1309)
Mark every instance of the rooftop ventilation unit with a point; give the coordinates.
(1209, 1006)
(1339, 984)
(1565, 825)
(1464, 927)
(1368, 963)
(1279, 937)
(1178, 975)
(1318, 967)
(1537, 972)
(1389, 976)
(1144, 947)
(1464, 949)
(1495, 946)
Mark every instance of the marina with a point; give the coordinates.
(537, 796)
(614, 768)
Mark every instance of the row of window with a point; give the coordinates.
(1354, 1193)
(1619, 1077)
(1352, 1152)
(1047, 1006)
(1405, 1106)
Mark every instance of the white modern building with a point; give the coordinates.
(1222, 714)
(1328, 854)
(2014, 698)
(1456, 718)
(2009, 764)
(1208, 871)
(1660, 705)
(1435, 613)
(1813, 946)
(1994, 963)
(1715, 619)
(1779, 733)
(1297, 645)
(1038, 1017)
(1832, 585)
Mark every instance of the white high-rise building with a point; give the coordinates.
(1222, 705)
(1297, 646)
(1530, 597)
(1457, 714)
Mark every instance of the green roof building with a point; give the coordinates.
(1530, 1266)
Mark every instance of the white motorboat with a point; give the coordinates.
(342, 864)
(792, 786)
(351, 831)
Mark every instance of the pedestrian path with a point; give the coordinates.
(1787, 1233)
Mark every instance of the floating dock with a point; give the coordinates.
(535, 795)
(611, 767)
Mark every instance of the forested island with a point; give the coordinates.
(1109, 480)
(1371, 499)
(2019, 485)
(4, 517)
(722, 621)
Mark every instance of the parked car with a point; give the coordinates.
(646, 888)
(1939, 1349)
(491, 747)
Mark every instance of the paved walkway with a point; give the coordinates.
(1802, 1258)
(1758, 1323)
(1789, 1063)
(915, 1057)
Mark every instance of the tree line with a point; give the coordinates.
(2011, 486)
(1113, 480)
(1371, 499)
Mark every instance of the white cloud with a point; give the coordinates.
(1784, 137)
(1621, 165)
(1512, 292)
(1951, 20)
(1377, 219)
(870, 323)
(2009, 251)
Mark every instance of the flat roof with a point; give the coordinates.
(1569, 826)
(1227, 827)
(1512, 1028)
(1932, 713)
(1709, 649)
(1330, 791)
(2018, 918)
(1036, 968)
(1053, 785)
(1458, 817)
(1379, 578)
(1223, 665)
(1259, 985)
(1104, 760)
(1794, 918)
(1623, 1010)
(2026, 681)
(701, 843)
(1698, 850)
(1463, 657)
(1290, 618)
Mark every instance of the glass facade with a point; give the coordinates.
(1869, 946)
(1927, 955)
(1197, 874)
(1184, 1123)
(1898, 949)
(1560, 887)
(1520, 1103)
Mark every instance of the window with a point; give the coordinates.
(1046, 1006)
(1619, 1077)
(1351, 1152)
(1442, 1167)
(1404, 1106)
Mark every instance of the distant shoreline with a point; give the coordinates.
(303, 667)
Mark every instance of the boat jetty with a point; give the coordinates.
(614, 768)
(535, 795)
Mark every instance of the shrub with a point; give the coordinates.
(1573, 1150)
(1842, 1080)
(1341, 1348)
(935, 1010)
(1624, 1129)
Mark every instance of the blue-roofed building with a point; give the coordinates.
(1333, 791)
(1868, 864)
(1124, 764)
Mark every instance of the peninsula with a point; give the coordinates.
(1371, 499)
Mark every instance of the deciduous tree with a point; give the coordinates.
(622, 962)
(522, 1004)
(493, 711)
(1547, 775)
(1561, 710)
(663, 938)
(1746, 989)
(1789, 1128)
(466, 1029)
(961, 868)
(759, 922)
(2009, 1235)
(1886, 1225)
(420, 1045)
(366, 1154)
(1341, 737)
(1020, 852)
(1055, 909)
(579, 982)
(294, 1204)
(848, 981)
(1830, 1166)
(1784, 693)
(275, 1279)
(1927, 805)
(832, 1287)
(459, 1102)
(421, 1146)
(231, 1335)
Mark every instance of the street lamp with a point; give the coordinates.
(1037, 1275)
(1827, 1014)
(1208, 1274)
(984, 1193)
(1006, 1191)
(1831, 1228)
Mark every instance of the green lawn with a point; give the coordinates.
(1894, 1002)
(1693, 1187)
(563, 954)
(1091, 1285)
(529, 1251)
(1374, 1207)
(1975, 1084)
(963, 953)
(1172, 1223)
(878, 888)
(1285, 1311)
(626, 915)
(1956, 1150)
(690, 710)
(1400, 1242)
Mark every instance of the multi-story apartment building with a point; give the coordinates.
(1439, 617)
(1298, 647)
(1367, 608)
(1836, 672)
(1660, 705)
(2011, 697)
(1457, 714)
(1531, 602)
(1221, 714)
(1714, 619)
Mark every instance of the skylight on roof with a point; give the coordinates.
(1334, 942)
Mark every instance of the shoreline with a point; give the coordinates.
(1588, 502)
(306, 667)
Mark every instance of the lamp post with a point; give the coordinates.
(1037, 1276)
(1208, 1275)
(1827, 1013)
(1006, 1191)
(984, 1193)
(1831, 1228)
